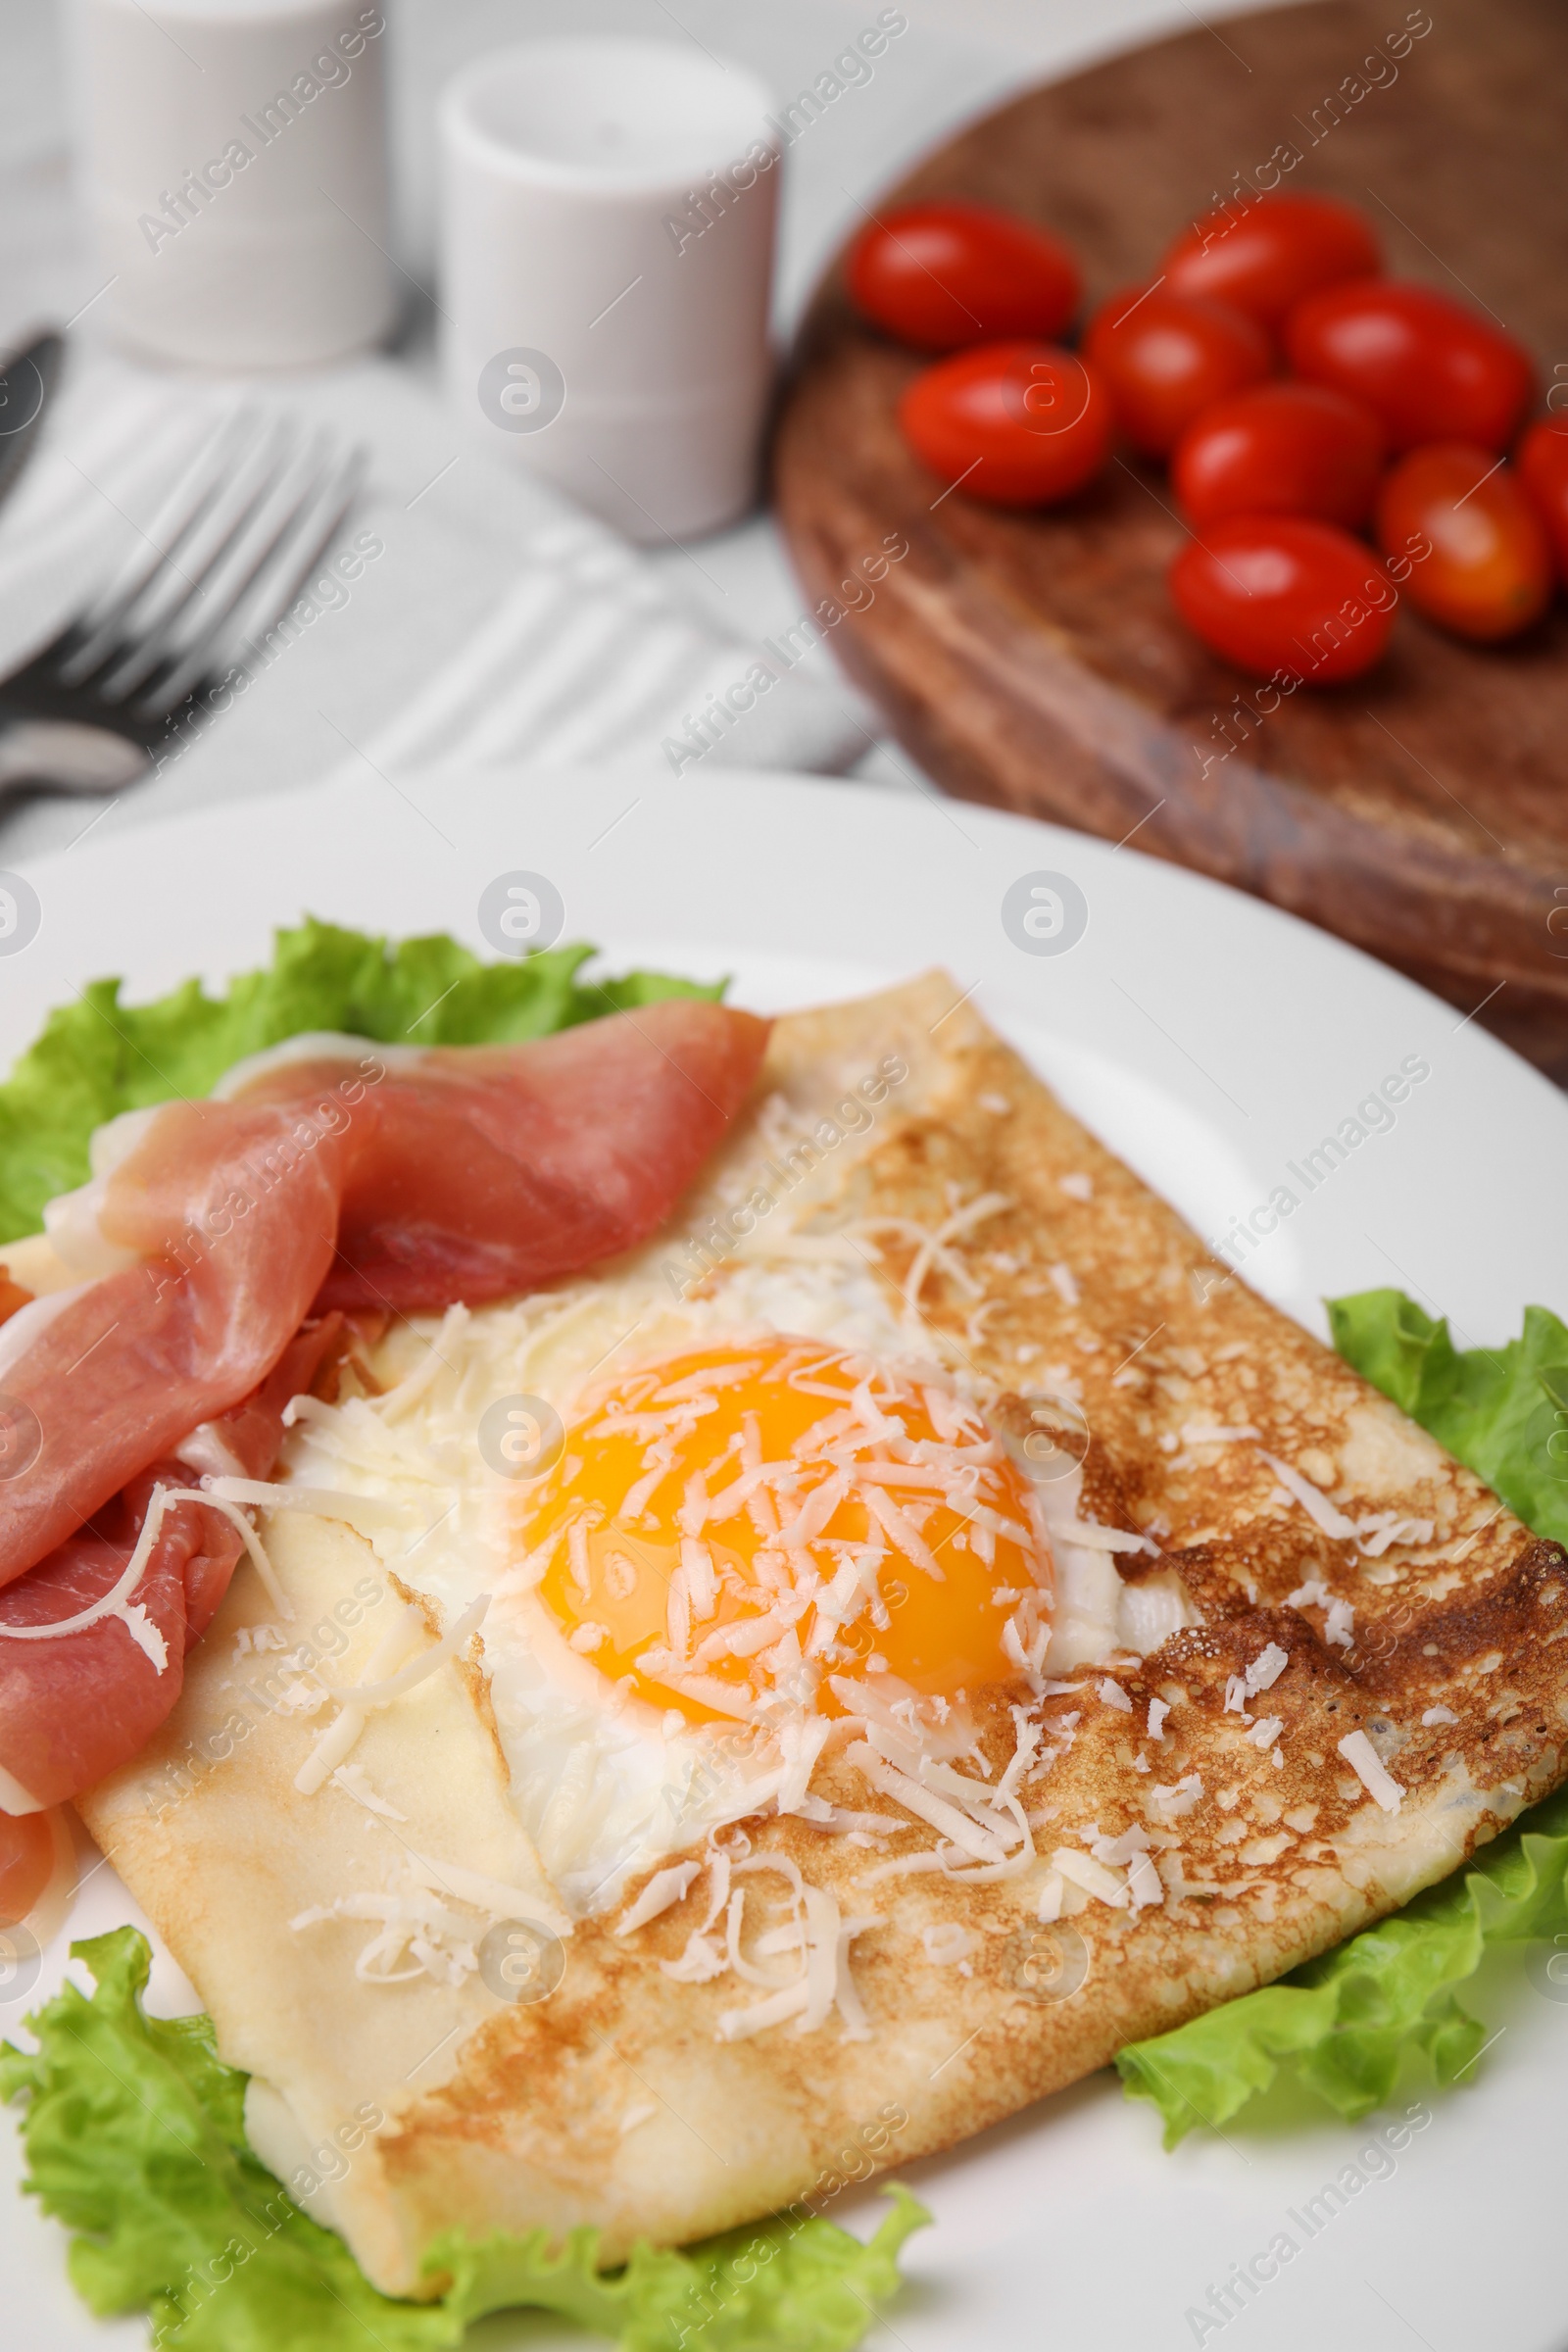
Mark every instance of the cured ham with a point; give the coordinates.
(466, 1173)
(336, 1178)
(74, 1707)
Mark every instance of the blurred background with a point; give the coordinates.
(956, 59)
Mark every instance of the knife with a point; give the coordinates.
(26, 387)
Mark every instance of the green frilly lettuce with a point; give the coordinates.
(133, 2127)
(97, 1057)
(1499, 1409)
(1343, 2025)
(135, 2140)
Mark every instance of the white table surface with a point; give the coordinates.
(956, 59)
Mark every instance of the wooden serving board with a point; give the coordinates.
(1034, 661)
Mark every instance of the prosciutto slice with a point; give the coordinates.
(379, 1180)
(74, 1708)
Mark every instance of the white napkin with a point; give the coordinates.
(495, 622)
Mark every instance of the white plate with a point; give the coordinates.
(1214, 1042)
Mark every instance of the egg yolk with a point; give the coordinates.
(739, 1525)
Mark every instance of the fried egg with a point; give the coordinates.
(762, 1503)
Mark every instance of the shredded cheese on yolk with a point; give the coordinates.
(729, 1527)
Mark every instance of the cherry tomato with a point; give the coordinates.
(1434, 368)
(944, 275)
(1279, 592)
(1263, 260)
(1489, 574)
(1543, 474)
(1165, 358)
(27, 1861)
(1281, 449)
(1016, 423)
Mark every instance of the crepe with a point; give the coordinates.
(1255, 1465)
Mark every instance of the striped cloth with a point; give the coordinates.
(489, 622)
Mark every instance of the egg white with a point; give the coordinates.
(604, 1782)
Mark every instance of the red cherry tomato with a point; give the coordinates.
(1263, 260)
(1281, 449)
(1543, 473)
(1166, 358)
(1278, 592)
(1432, 368)
(945, 275)
(1489, 574)
(1019, 425)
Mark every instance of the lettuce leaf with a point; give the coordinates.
(1496, 1410)
(135, 2126)
(1342, 2024)
(97, 1057)
(136, 2140)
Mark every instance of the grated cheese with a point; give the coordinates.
(1312, 1499)
(947, 1942)
(1338, 1615)
(1118, 1851)
(116, 1601)
(1143, 1883)
(1267, 1667)
(903, 1866)
(824, 1981)
(663, 1890)
(334, 1743)
(1179, 1800)
(1369, 1769)
(354, 1782)
(896, 1526)
(322, 1503)
(206, 1450)
(414, 1919)
(1083, 1871)
(584, 1788)
(956, 1826)
(1093, 1538)
(801, 1742)
(934, 1251)
(699, 1964)
(132, 1615)
(410, 1920)
(1027, 1737)
(1378, 1530)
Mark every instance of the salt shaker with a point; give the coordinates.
(233, 168)
(609, 213)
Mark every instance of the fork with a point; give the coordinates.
(238, 534)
